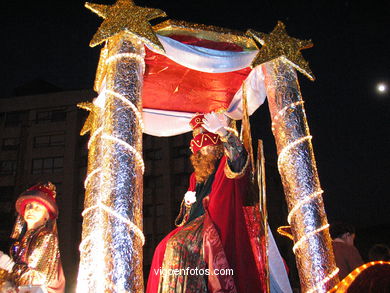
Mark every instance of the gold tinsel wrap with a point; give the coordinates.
(297, 167)
(111, 248)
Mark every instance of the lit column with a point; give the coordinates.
(297, 167)
(111, 248)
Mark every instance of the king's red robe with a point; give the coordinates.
(226, 240)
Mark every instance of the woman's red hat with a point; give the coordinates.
(44, 194)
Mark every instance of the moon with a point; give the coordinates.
(381, 88)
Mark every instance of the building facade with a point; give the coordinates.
(40, 141)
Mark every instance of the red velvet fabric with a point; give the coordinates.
(255, 227)
(158, 257)
(226, 213)
(215, 257)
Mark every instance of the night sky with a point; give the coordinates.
(348, 118)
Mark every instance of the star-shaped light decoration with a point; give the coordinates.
(279, 44)
(88, 122)
(125, 16)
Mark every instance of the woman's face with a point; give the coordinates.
(35, 213)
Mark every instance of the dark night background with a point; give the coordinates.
(348, 118)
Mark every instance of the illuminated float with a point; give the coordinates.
(153, 80)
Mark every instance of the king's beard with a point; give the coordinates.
(205, 164)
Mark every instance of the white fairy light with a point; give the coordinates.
(288, 147)
(130, 104)
(132, 226)
(104, 207)
(138, 156)
(281, 112)
(89, 176)
(135, 56)
(93, 136)
(324, 281)
(308, 235)
(301, 203)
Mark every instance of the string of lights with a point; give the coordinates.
(94, 136)
(139, 159)
(324, 281)
(301, 203)
(90, 175)
(104, 207)
(283, 110)
(131, 105)
(307, 236)
(140, 60)
(347, 281)
(283, 155)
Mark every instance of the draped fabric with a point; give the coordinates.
(215, 256)
(195, 75)
(206, 56)
(225, 209)
(171, 86)
(184, 250)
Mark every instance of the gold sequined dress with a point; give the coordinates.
(37, 260)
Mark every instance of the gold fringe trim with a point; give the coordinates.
(234, 175)
(185, 216)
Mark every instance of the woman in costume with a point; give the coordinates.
(211, 233)
(34, 256)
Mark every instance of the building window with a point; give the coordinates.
(52, 140)
(55, 115)
(153, 182)
(47, 165)
(58, 186)
(153, 154)
(181, 151)
(13, 118)
(10, 144)
(7, 167)
(6, 211)
(148, 211)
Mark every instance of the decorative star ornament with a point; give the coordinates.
(89, 121)
(279, 44)
(125, 16)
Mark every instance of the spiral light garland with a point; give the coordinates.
(348, 280)
(297, 167)
(111, 247)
